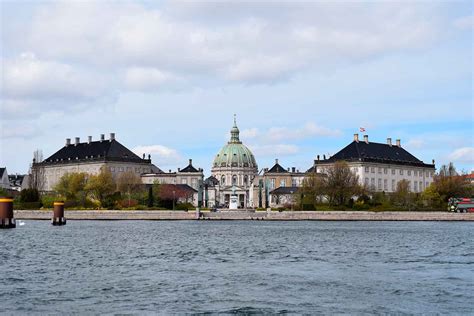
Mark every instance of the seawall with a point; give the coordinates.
(247, 215)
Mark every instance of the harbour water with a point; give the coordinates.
(237, 267)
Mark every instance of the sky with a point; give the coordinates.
(302, 77)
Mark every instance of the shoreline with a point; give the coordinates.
(246, 215)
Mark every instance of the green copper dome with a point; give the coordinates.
(235, 154)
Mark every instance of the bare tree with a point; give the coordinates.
(36, 177)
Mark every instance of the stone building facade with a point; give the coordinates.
(381, 166)
(90, 157)
(235, 169)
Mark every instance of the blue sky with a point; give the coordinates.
(301, 77)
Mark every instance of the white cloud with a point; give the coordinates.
(28, 77)
(464, 154)
(274, 150)
(162, 155)
(466, 22)
(278, 134)
(255, 43)
(148, 79)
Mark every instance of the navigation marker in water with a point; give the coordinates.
(6, 213)
(58, 214)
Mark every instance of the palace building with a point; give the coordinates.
(235, 169)
(90, 157)
(381, 166)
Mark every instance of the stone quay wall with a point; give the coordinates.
(247, 215)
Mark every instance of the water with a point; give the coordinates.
(237, 267)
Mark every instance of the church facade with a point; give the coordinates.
(234, 168)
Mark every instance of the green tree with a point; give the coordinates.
(341, 183)
(101, 186)
(128, 182)
(447, 183)
(72, 187)
(402, 195)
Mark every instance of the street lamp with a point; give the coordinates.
(174, 197)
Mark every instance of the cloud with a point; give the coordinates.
(278, 134)
(28, 77)
(466, 22)
(161, 154)
(464, 154)
(148, 79)
(274, 150)
(255, 43)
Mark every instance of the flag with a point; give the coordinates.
(362, 130)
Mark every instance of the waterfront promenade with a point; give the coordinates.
(247, 215)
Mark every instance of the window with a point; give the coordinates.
(121, 169)
(372, 170)
(415, 173)
(366, 182)
(393, 185)
(129, 168)
(367, 169)
(194, 182)
(409, 172)
(272, 183)
(385, 170)
(409, 185)
(421, 185)
(294, 182)
(385, 184)
(234, 180)
(393, 171)
(401, 172)
(372, 183)
(282, 183)
(112, 169)
(379, 184)
(184, 181)
(415, 186)
(246, 180)
(380, 170)
(223, 180)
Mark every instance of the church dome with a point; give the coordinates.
(235, 154)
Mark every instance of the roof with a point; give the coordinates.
(277, 168)
(96, 150)
(2, 170)
(211, 181)
(189, 168)
(375, 152)
(235, 154)
(285, 190)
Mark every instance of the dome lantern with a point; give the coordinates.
(234, 133)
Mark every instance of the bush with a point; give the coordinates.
(48, 200)
(30, 205)
(184, 206)
(29, 195)
(360, 205)
(308, 207)
(126, 203)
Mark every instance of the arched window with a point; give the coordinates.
(234, 179)
(246, 180)
(223, 180)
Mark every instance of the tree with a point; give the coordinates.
(72, 186)
(36, 178)
(447, 183)
(402, 195)
(313, 188)
(101, 185)
(128, 182)
(341, 183)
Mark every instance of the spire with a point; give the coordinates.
(234, 132)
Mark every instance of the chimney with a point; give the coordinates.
(149, 157)
(366, 139)
(68, 142)
(265, 170)
(318, 158)
(112, 136)
(89, 139)
(190, 162)
(293, 169)
(143, 156)
(179, 169)
(433, 161)
(389, 142)
(324, 157)
(398, 143)
(276, 161)
(77, 141)
(169, 171)
(288, 169)
(356, 138)
(102, 137)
